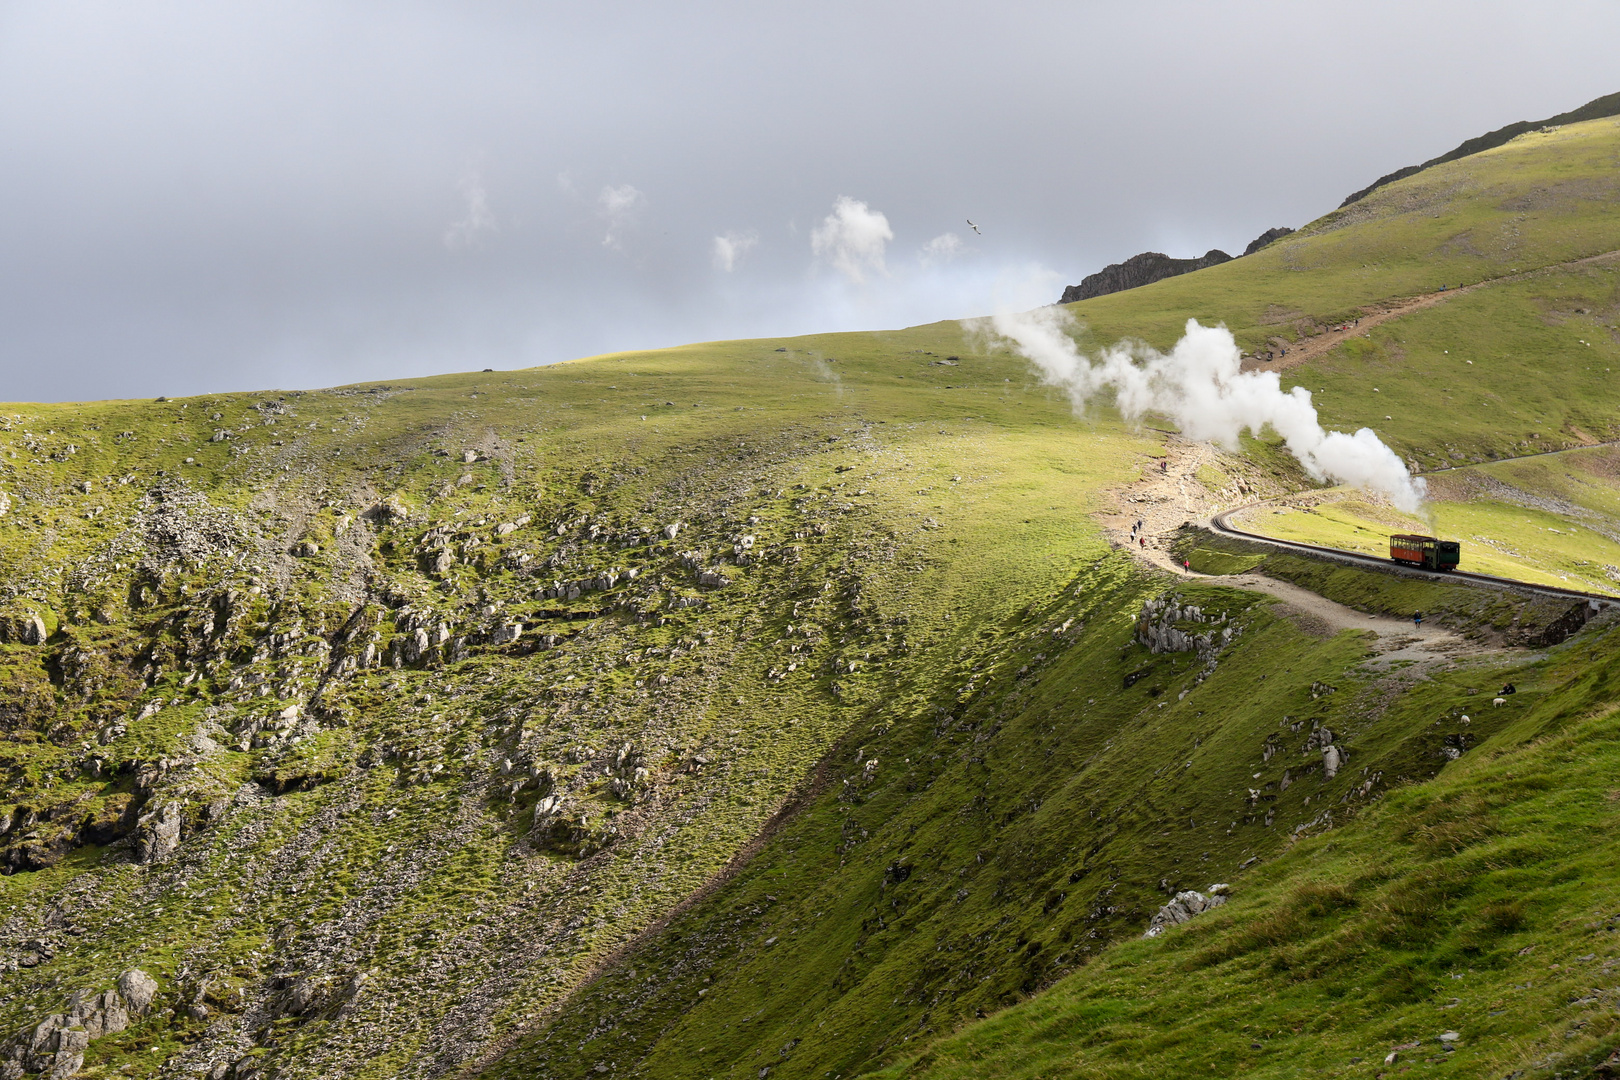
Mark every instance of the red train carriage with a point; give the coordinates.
(1424, 551)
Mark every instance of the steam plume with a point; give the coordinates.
(618, 206)
(479, 220)
(853, 238)
(1199, 385)
(729, 248)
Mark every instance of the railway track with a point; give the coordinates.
(1219, 523)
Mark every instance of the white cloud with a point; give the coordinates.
(942, 248)
(618, 206)
(731, 247)
(853, 238)
(479, 218)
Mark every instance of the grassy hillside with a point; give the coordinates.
(1520, 364)
(1552, 518)
(298, 635)
(782, 705)
(1467, 923)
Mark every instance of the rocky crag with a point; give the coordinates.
(1151, 266)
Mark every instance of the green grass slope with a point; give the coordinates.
(764, 705)
(1538, 201)
(1597, 108)
(811, 963)
(1013, 830)
(289, 617)
(1466, 923)
(1551, 518)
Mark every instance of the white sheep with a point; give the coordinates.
(1499, 702)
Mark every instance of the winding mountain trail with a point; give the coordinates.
(1396, 640)
(1374, 315)
(1171, 496)
(1166, 499)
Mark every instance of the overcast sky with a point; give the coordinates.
(232, 196)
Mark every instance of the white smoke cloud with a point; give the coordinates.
(731, 247)
(853, 238)
(479, 219)
(941, 249)
(1199, 385)
(618, 207)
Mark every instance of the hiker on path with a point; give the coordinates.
(1417, 620)
(1186, 567)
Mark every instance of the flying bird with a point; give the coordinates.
(975, 228)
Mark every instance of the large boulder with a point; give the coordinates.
(158, 833)
(1184, 906)
(138, 989)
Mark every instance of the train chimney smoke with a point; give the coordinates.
(1200, 386)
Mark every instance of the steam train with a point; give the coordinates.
(1409, 549)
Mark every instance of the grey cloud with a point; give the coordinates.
(203, 197)
(618, 205)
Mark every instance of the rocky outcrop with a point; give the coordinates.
(1151, 266)
(1265, 238)
(1138, 270)
(1184, 906)
(23, 628)
(1156, 628)
(55, 1046)
(158, 833)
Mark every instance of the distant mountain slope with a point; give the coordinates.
(1151, 266)
(1596, 109)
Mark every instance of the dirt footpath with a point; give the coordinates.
(1328, 340)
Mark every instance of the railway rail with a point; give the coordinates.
(1220, 523)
